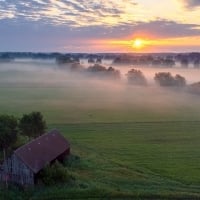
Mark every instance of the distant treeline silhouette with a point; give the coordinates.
(134, 59)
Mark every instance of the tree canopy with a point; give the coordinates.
(136, 77)
(194, 88)
(166, 79)
(32, 125)
(103, 72)
(8, 131)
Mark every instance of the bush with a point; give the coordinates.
(54, 174)
(72, 161)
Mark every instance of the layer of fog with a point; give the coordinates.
(191, 74)
(85, 92)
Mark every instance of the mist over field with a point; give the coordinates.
(41, 85)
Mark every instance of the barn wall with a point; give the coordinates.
(14, 170)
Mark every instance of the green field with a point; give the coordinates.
(133, 143)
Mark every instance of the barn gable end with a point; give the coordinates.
(15, 171)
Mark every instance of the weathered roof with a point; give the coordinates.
(42, 150)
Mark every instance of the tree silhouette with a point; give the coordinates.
(136, 77)
(8, 132)
(32, 125)
(166, 79)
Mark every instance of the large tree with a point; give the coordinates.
(8, 132)
(32, 125)
(136, 77)
(166, 79)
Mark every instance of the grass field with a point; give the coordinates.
(133, 143)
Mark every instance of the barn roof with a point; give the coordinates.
(42, 150)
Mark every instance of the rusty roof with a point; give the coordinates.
(42, 150)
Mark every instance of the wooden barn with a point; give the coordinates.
(27, 161)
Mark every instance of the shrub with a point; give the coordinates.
(54, 174)
(72, 161)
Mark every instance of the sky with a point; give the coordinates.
(94, 26)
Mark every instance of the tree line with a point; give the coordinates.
(136, 77)
(163, 79)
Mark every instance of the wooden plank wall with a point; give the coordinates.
(15, 171)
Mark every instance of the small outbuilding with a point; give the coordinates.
(28, 160)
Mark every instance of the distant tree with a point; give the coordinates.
(197, 63)
(99, 60)
(32, 125)
(112, 72)
(64, 59)
(75, 67)
(194, 88)
(96, 68)
(136, 77)
(157, 62)
(101, 71)
(184, 62)
(117, 60)
(123, 59)
(166, 79)
(6, 57)
(168, 62)
(179, 81)
(8, 132)
(91, 60)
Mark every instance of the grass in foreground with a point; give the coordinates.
(130, 160)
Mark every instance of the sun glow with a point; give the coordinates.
(151, 44)
(137, 43)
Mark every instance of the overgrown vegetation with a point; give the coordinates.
(55, 174)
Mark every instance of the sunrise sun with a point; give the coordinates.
(137, 43)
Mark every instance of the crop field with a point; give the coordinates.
(132, 142)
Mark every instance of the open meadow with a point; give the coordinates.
(133, 142)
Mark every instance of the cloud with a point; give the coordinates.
(37, 36)
(165, 28)
(70, 12)
(62, 24)
(191, 3)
